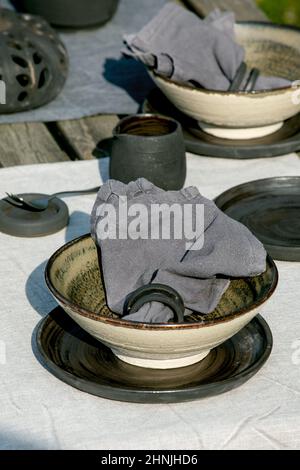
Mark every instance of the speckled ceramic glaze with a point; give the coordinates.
(73, 277)
(275, 51)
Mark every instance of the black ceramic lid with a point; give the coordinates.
(23, 223)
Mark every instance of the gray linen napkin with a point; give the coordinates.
(178, 45)
(200, 276)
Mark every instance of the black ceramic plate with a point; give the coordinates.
(23, 223)
(284, 141)
(79, 360)
(270, 208)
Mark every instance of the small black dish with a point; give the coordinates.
(23, 223)
(270, 208)
(282, 142)
(77, 359)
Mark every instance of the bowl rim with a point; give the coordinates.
(251, 94)
(139, 325)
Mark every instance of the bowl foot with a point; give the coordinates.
(239, 133)
(161, 363)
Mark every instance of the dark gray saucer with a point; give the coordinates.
(76, 358)
(284, 141)
(270, 208)
(21, 223)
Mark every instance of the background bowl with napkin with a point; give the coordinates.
(195, 62)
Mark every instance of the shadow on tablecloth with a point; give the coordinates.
(37, 292)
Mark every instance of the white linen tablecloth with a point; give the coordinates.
(37, 411)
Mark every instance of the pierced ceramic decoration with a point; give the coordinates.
(34, 62)
(71, 13)
(73, 277)
(275, 51)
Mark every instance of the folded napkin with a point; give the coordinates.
(204, 53)
(224, 248)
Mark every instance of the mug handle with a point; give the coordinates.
(155, 293)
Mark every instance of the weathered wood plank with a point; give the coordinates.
(84, 134)
(245, 10)
(23, 144)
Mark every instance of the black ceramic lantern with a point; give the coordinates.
(73, 13)
(34, 62)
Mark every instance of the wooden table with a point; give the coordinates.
(30, 143)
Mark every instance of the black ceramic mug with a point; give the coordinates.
(149, 146)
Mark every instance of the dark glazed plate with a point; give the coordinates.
(23, 223)
(270, 208)
(284, 141)
(77, 359)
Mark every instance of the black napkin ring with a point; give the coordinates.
(252, 79)
(238, 78)
(155, 293)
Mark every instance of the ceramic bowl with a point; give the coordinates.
(275, 51)
(73, 277)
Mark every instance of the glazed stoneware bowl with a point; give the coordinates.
(73, 277)
(275, 51)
